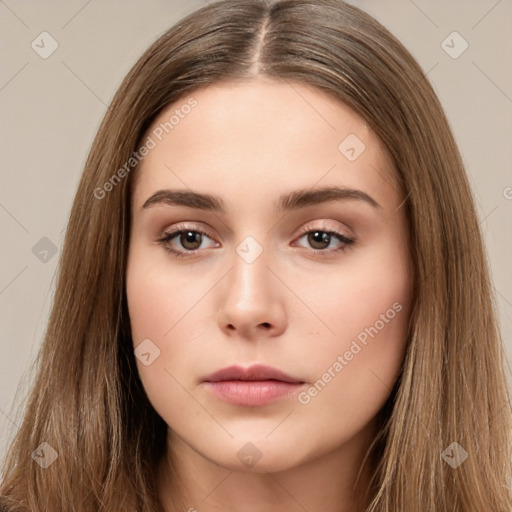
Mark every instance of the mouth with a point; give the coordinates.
(252, 387)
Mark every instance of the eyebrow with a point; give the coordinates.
(287, 202)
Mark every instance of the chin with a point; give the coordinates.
(258, 456)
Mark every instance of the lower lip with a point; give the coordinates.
(253, 393)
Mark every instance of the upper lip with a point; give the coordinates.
(252, 373)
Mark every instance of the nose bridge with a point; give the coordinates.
(250, 301)
(249, 279)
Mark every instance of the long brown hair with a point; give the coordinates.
(87, 401)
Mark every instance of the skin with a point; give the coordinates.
(290, 308)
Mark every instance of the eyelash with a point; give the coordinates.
(182, 228)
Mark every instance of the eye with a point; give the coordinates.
(321, 238)
(185, 241)
(189, 239)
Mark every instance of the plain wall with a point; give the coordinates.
(51, 109)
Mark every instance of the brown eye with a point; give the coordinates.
(319, 239)
(190, 240)
(183, 241)
(325, 241)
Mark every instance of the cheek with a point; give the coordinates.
(150, 305)
(355, 376)
(162, 308)
(367, 305)
(361, 293)
(158, 298)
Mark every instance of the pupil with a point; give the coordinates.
(320, 237)
(192, 238)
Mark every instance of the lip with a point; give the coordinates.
(255, 372)
(254, 386)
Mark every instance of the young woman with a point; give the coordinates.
(273, 292)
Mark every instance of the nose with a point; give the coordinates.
(252, 300)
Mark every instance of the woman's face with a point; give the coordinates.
(267, 229)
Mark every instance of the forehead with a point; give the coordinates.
(260, 138)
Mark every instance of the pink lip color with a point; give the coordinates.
(253, 386)
(252, 393)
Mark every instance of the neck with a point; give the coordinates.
(329, 482)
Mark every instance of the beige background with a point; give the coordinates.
(51, 109)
